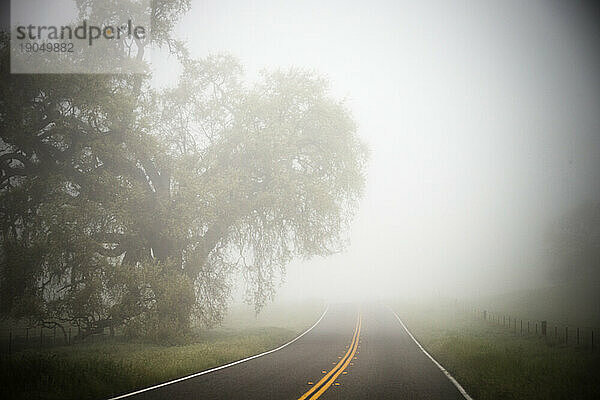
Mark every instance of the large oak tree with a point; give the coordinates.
(127, 206)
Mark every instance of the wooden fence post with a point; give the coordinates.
(544, 326)
(521, 327)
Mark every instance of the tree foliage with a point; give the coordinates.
(574, 245)
(127, 206)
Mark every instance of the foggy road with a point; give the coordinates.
(353, 353)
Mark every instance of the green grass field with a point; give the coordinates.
(102, 368)
(491, 362)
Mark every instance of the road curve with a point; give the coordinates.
(353, 353)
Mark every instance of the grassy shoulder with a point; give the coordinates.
(113, 366)
(491, 362)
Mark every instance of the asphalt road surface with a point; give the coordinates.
(353, 353)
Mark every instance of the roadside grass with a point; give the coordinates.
(492, 362)
(112, 366)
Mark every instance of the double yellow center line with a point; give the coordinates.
(317, 390)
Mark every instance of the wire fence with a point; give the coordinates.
(15, 336)
(552, 332)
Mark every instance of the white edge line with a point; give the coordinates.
(450, 377)
(222, 366)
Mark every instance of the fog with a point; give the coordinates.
(482, 121)
(481, 118)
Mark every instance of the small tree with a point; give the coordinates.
(575, 245)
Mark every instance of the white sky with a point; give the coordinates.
(482, 118)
